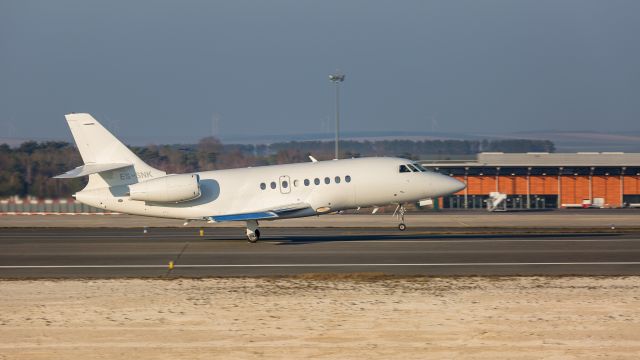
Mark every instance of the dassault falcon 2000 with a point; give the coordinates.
(119, 181)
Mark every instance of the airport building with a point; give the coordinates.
(545, 180)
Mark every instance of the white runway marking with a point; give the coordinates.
(312, 265)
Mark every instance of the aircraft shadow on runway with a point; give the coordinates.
(313, 239)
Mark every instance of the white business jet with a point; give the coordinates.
(119, 181)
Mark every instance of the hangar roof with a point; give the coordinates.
(498, 159)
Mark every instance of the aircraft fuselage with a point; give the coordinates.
(327, 186)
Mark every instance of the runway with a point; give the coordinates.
(112, 253)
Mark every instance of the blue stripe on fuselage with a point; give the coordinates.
(247, 216)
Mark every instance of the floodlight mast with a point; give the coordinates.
(337, 78)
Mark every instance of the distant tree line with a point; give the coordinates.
(29, 168)
(416, 149)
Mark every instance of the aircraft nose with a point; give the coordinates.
(448, 185)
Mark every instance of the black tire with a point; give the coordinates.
(402, 227)
(255, 237)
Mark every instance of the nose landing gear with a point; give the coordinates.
(400, 211)
(253, 233)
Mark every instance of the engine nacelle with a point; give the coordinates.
(170, 188)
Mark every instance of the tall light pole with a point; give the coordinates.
(337, 78)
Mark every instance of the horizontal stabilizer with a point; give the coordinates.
(88, 169)
(272, 213)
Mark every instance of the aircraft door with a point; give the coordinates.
(285, 184)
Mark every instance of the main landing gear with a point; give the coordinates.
(253, 233)
(400, 211)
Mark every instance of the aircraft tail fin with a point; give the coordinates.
(100, 150)
(96, 144)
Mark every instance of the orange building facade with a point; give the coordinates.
(546, 180)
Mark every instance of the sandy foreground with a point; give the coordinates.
(365, 317)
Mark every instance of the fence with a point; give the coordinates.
(35, 206)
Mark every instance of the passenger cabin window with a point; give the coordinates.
(347, 178)
(404, 169)
(285, 184)
(296, 182)
(327, 180)
(337, 179)
(316, 181)
(273, 184)
(306, 182)
(263, 186)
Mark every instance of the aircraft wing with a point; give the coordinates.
(88, 169)
(263, 214)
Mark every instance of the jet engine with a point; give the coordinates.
(170, 188)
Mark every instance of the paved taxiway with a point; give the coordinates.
(566, 218)
(26, 253)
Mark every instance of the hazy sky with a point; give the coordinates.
(152, 69)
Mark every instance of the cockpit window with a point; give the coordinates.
(420, 167)
(412, 167)
(404, 169)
